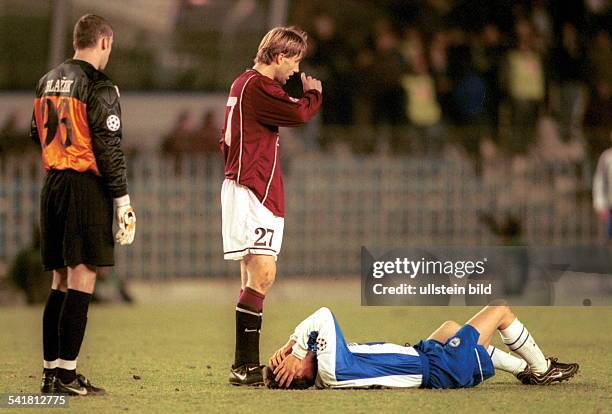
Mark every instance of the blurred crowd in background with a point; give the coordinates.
(481, 72)
(413, 76)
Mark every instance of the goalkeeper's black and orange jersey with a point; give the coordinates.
(77, 121)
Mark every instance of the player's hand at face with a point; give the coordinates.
(308, 83)
(277, 358)
(286, 370)
(281, 354)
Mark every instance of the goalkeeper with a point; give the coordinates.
(77, 123)
(453, 356)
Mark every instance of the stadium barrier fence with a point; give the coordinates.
(335, 205)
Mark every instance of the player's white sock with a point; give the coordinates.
(50, 364)
(506, 361)
(519, 340)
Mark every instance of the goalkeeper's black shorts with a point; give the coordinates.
(76, 220)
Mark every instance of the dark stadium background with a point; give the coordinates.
(429, 133)
(445, 122)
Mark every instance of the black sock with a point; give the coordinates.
(50, 371)
(51, 317)
(66, 375)
(248, 326)
(72, 330)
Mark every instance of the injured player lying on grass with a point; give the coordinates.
(453, 356)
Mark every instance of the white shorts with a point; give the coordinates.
(248, 226)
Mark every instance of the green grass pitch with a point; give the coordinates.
(170, 353)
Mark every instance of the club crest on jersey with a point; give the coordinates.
(455, 342)
(113, 122)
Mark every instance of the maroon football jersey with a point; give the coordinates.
(256, 107)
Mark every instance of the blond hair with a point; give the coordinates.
(289, 41)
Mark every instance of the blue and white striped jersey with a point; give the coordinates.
(342, 365)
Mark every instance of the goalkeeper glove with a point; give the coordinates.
(126, 220)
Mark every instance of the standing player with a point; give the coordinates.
(252, 196)
(77, 121)
(453, 356)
